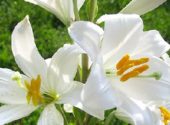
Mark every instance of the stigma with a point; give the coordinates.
(126, 63)
(165, 115)
(33, 89)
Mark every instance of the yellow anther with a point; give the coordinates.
(165, 115)
(134, 73)
(131, 63)
(34, 93)
(122, 61)
(141, 69)
(139, 61)
(124, 68)
(126, 63)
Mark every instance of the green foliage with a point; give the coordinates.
(50, 33)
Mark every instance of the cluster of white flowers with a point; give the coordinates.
(128, 69)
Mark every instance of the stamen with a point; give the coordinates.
(134, 73)
(165, 114)
(131, 63)
(34, 91)
(124, 69)
(122, 61)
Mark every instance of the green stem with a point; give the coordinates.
(93, 7)
(109, 119)
(63, 114)
(77, 114)
(85, 71)
(84, 68)
(86, 119)
(76, 12)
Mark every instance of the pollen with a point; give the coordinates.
(126, 63)
(165, 115)
(34, 93)
(134, 73)
(121, 63)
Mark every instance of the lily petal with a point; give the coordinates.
(98, 92)
(73, 95)
(25, 51)
(142, 6)
(88, 36)
(166, 58)
(12, 93)
(135, 113)
(50, 116)
(9, 113)
(152, 43)
(53, 6)
(148, 88)
(119, 29)
(63, 9)
(63, 68)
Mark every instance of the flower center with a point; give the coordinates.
(126, 63)
(165, 114)
(34, 93)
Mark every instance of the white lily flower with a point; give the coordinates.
(62, 9)
(141, 6)
(44, 83)
(130, 55)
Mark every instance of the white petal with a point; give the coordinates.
(88, 36)
(148, 88)
(6, 75)
(68, 10)
(166, 58)
(12, 94)
(121, 36)
(73, 95)
(119, 31)
(9, 113)
(145, 89)
(53, 6)
(135, 112)
(63, 9)
(25, 51)
(152, 43)
(98, 92)
(142, 6)
(50, 116)
(63, 68)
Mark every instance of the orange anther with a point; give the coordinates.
(134, 73)
(122, 61)
(141, 69)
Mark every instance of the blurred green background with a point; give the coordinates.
(50, 33)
